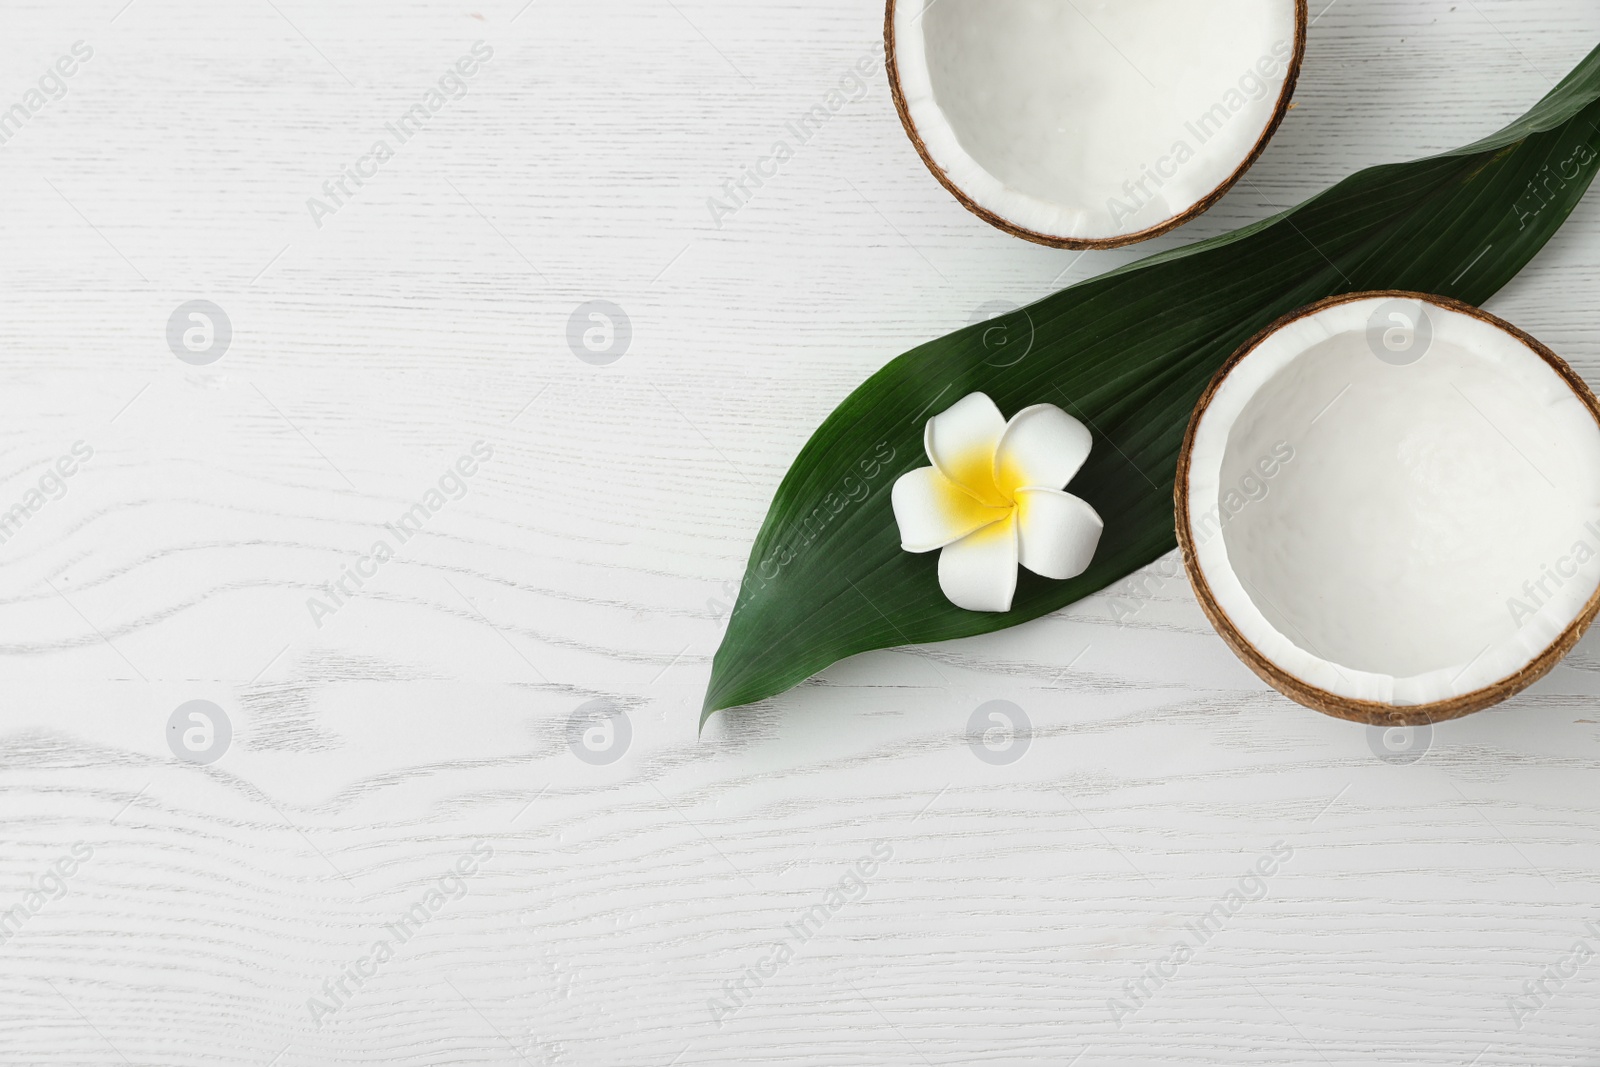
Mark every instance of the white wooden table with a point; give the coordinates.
(626, 910)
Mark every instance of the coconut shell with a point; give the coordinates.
(1377, 714)
(1200, 208)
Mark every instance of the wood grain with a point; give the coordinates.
(589, 559)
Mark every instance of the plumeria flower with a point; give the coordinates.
(993, 499)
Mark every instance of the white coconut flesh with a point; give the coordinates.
(1392, 532)
(1092, 119)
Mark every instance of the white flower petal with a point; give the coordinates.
(1057, 533)
(979, 572)
(933, 511)
(1042, 446)
(961, 442)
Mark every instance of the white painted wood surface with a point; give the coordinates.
(588, 560)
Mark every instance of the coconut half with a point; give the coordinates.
(1092, 123)
(1389, 507)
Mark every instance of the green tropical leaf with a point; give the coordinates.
(1129, 353)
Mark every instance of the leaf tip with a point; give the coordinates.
(710, 707)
